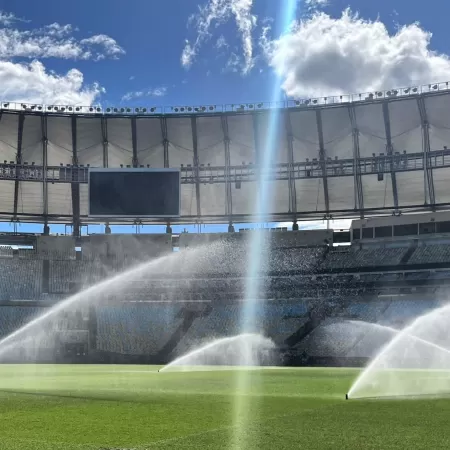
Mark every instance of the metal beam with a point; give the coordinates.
(75, 185)
(359, 193)
(322, 158)
(196, 163)
(404, 163)
(427, 168)
(44, 166)
(135, 161)
(104, 125)
(228, 192)
(291, 176)
(255, 119)
(390, 150)
(165, 141)
(18, 161)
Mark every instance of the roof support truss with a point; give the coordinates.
(135, 160)
(291, 180)
(196, 163)
(390, 151)
(359, 196)
(427, 169)
(45, 165)
(75, 186)
(228, 193)
(165, 141)
(104, 125)
(18, 161)
(322, 155)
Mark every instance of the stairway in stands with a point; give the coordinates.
(188, 317)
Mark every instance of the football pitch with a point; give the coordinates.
(48, 407)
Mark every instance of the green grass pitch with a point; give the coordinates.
(48, 407)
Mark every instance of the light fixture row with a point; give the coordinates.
(230, 107)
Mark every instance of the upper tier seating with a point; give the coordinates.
(366, 257)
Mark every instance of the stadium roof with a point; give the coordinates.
(380, 152)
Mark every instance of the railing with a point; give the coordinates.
(207, 174)
(409, 91)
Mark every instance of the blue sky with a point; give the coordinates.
(196, 52)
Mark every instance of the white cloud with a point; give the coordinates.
(217, 12)
(155, 92)
(31, 83)
(188, 55)
(221, 42)
(312, 5)
(56, 41)
(7, 19)
(107, 45)
(132, 77)
(323, 56)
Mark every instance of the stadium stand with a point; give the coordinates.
(20, 279)
(315, 296)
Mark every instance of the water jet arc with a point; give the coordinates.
(244, 350)
(402, 369)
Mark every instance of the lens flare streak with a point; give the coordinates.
(258, 253)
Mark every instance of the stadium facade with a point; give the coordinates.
(372, 157)
(349, 156)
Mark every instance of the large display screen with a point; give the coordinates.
(134, 193)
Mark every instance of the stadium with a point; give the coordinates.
(95, 328)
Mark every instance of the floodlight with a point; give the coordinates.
(116, 110)
(56, 108)
(196, 109)
(5, 105)
(24, 106)
(144, 110)
(91, 109)
(182, 109)
(70, 108)
(152, 109)
(251, 106)
(380, 94)
(415, 90)
(99, 109)
(203, 108)
(128, 110)
(39, 108)
(122, 110)
(211, 108)
(176, 109)
(136, 109)
(77, 108)
(63, 109)
(435, 87)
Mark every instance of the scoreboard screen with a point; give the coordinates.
(134, 193)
